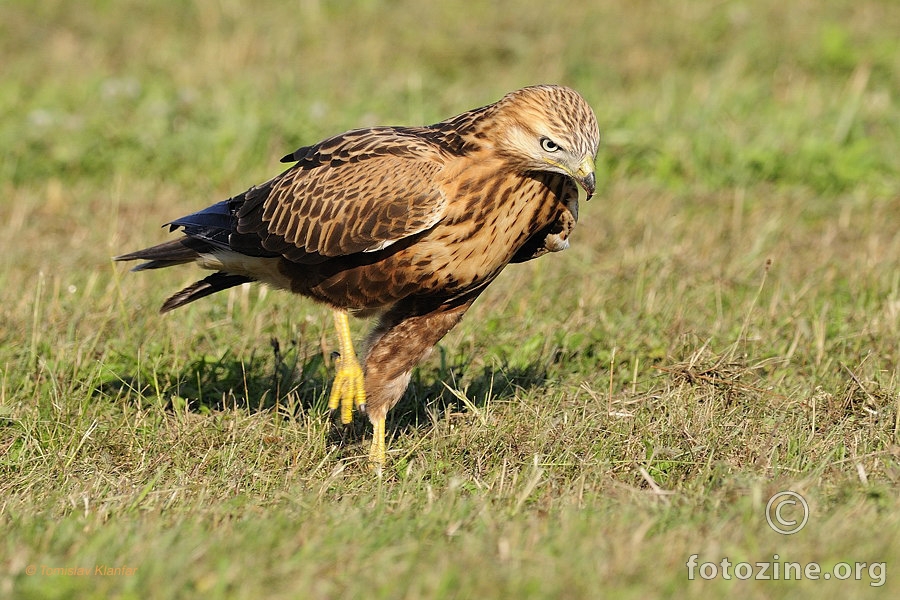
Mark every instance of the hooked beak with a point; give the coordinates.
(585, 176)
(587, 182)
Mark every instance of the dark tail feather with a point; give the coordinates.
(175, 252)
(210, 285)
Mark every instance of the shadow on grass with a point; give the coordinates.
(269, 377)
(299, 382)
(427, 399)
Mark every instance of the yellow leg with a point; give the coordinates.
(377, 453)
(347, 391)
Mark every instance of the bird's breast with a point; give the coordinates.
(487, 222)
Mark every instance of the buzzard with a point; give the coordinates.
(409, 224)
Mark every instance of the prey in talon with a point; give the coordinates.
(408, 225)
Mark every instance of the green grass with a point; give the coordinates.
(725, 326)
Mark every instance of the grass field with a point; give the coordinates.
(725, 326)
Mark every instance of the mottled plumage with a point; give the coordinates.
(408, 223)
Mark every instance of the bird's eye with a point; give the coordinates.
(549, 145)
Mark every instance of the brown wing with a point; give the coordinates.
(360, 191)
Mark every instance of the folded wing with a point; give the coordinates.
(358, 192)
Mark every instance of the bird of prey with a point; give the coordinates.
(409, 224)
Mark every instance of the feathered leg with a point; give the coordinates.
(405, 335)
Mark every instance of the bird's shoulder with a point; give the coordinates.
(359, 145)
(451, 138)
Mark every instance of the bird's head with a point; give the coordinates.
(550, 128)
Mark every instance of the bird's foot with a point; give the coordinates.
(378, 451)
(348, 391)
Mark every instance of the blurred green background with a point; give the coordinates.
(720, 93)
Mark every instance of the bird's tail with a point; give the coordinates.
(181, 251)
(167, 254)
(210, 285)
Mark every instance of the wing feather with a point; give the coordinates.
(357, 192)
